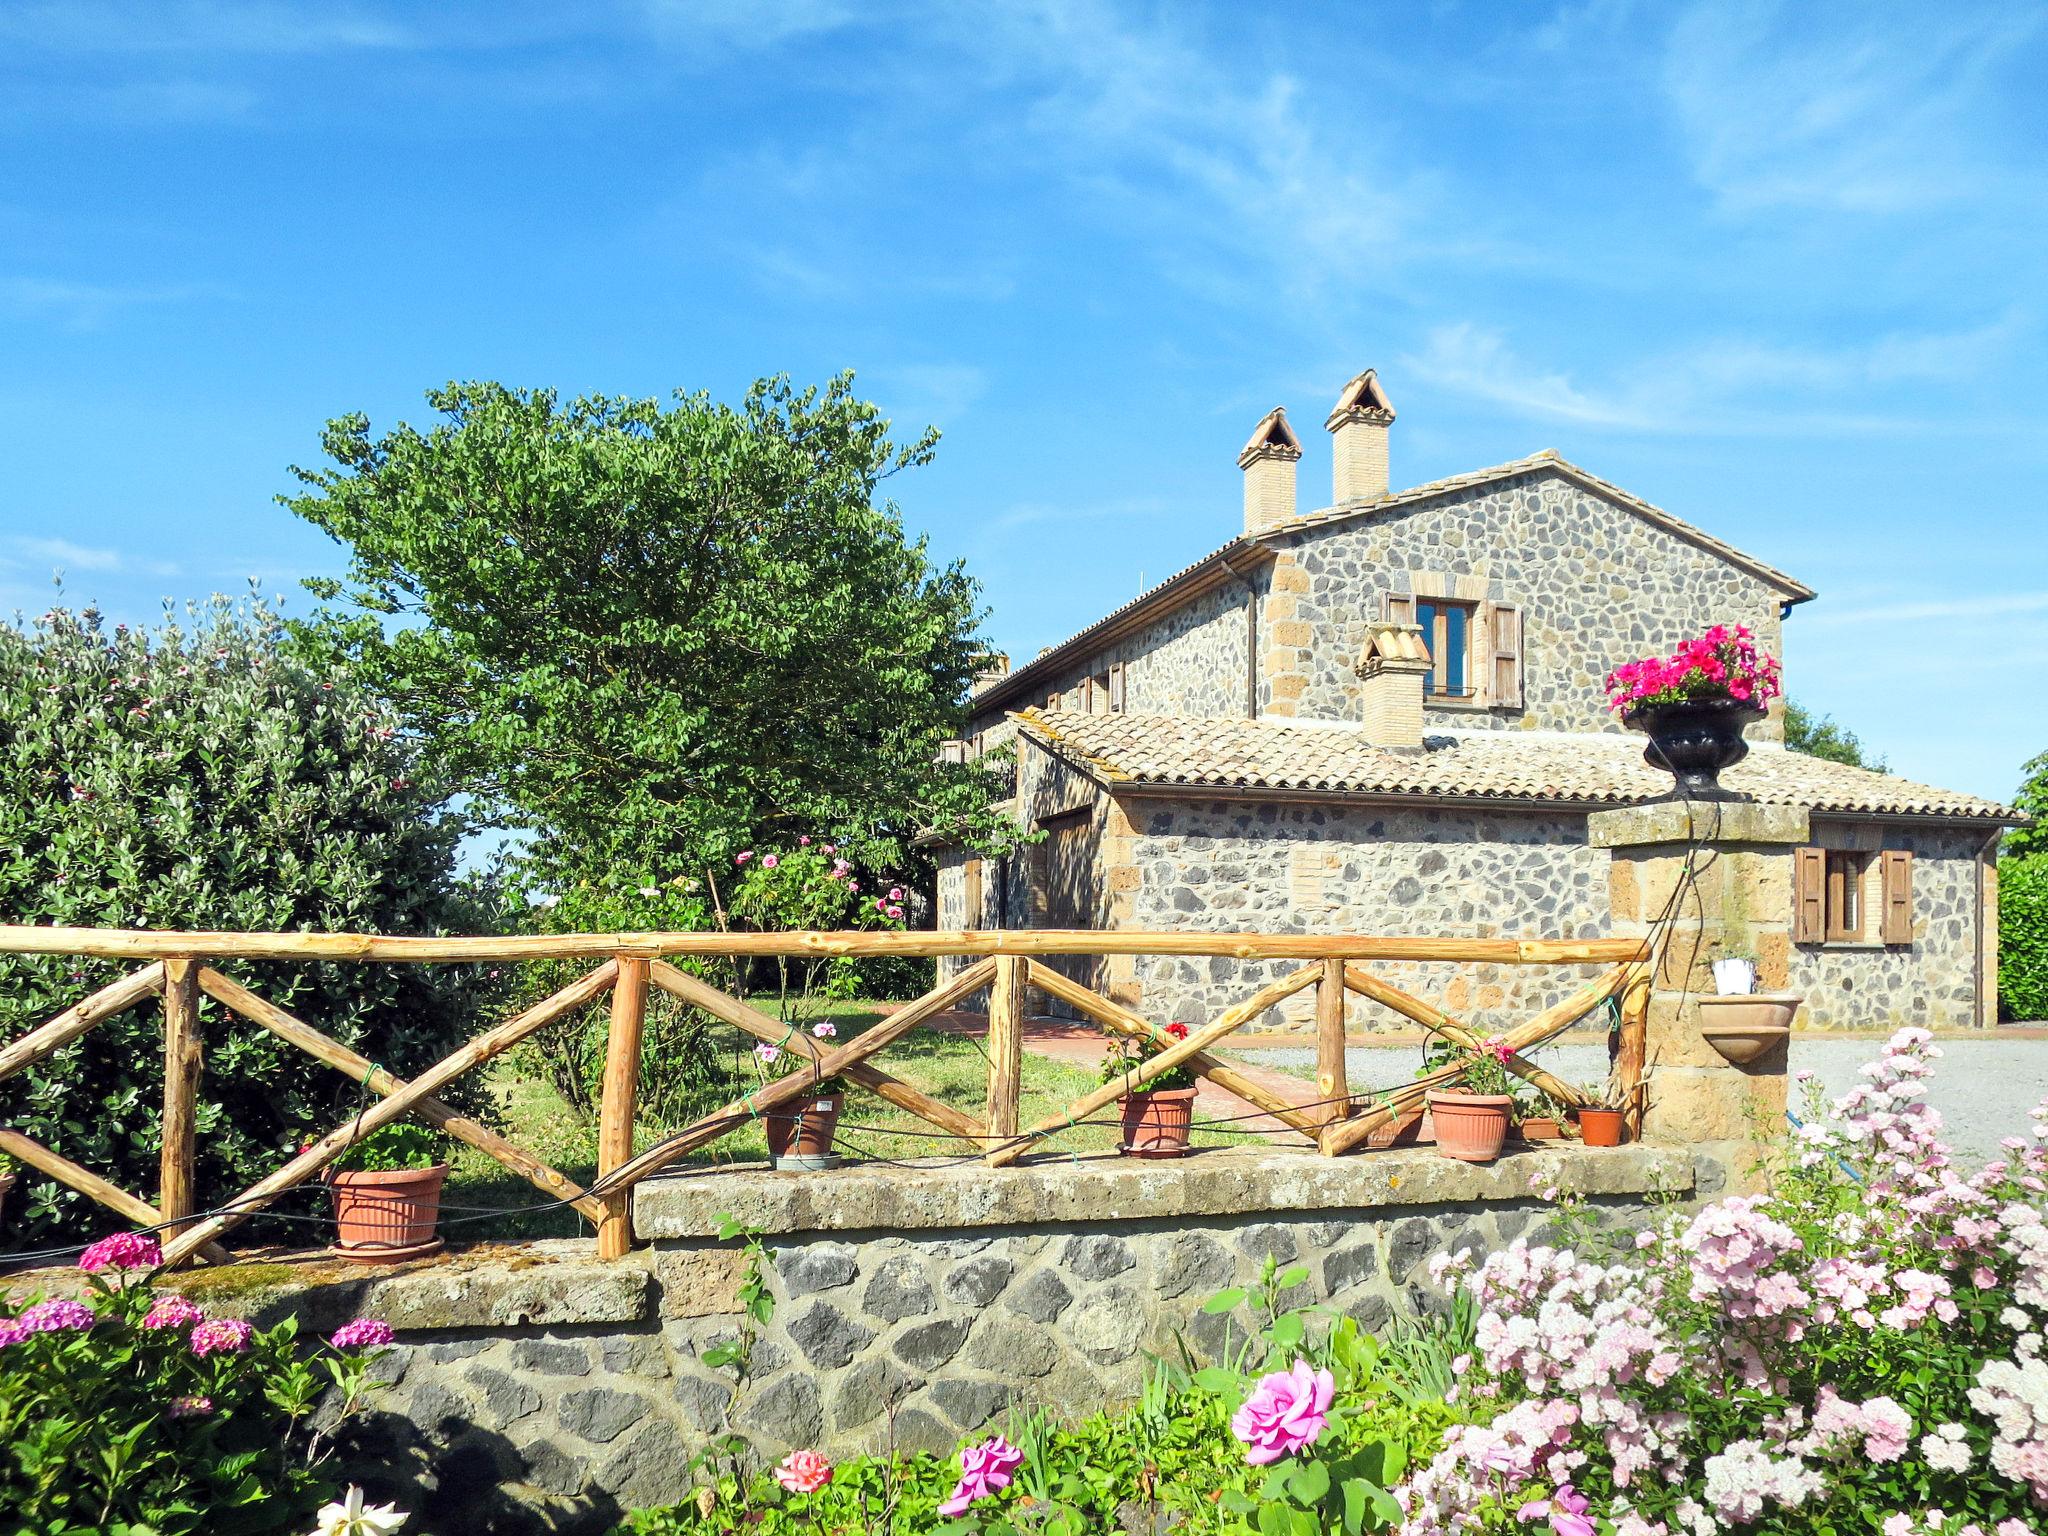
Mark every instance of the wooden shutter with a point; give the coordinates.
(1088, 695)
(1809, 895)
(1396, 609)
(1895, 925)
(971, 915)
(1506, 680)
(1116, 687)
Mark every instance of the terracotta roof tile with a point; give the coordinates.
(1604, 768)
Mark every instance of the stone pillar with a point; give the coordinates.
(1713, 878)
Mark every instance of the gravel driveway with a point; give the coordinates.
(1984, 1088)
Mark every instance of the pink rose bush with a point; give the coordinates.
(1860, 1348)
(1723, 663)
(803, 1472)
(1285, 1413)
(167, 1417)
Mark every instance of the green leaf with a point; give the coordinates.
(1225, 1301)
(1292, 1276)
(1309, 1482)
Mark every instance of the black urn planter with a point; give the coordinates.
(1694, 741)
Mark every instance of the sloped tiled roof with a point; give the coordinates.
(1594, 769)
(1168, 595)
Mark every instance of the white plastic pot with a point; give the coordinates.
(1734, 978)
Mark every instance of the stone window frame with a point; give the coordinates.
(1481, 660)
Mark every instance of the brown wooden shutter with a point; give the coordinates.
(1396, 609)
(1895, 926)
(1116, 687)
(971, 915)
(1088, 695)
(1809, 895)
(1507, 656)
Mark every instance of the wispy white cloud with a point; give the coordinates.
(64, 555)
(204, 27)
(937, 392)
(724, 25)
(87, 306)
(1865, 109)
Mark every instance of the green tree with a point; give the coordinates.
(646, 635)
(1820, 736)
(2032, 800)
(197, 777)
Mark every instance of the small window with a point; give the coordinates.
(1845, 893)
(1447, 633)
(1101, 697)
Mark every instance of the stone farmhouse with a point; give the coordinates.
(1387, 715)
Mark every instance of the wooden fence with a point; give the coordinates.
(179, 968)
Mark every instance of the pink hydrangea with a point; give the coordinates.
(173, 1312)
(1285, 1413)
(363, 1333)
(12, 1333)
(222, 1336)
(985, 1469)
(123, 1250)
(56, 1316)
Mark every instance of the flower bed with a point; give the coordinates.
(131, 1412)
(1860, 1351)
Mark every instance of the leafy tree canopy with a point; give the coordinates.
(2032, 800)
(1820, 736)
(649, 634)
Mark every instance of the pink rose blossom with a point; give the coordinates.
(772, 861)
(742, 858)
(1285, 1413)
(1566, 1510)
(804, 1472)
(825, 1029)
(985, 1469)
(222, 1336)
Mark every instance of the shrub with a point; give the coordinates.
(131, 1412)
(198, 777)
(2023, 937)
(1859, 1351)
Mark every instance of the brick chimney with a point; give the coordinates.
(1392, 666)
(1268, 463)
(1358, 429)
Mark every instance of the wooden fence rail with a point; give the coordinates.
(180, 969)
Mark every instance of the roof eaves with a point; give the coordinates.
(1048, 735)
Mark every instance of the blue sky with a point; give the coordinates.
(1777, 269)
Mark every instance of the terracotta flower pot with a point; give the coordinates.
(1471, 1127)
(387, 1215)
(803, 1129)
(1745, 1029)
(1602, 1127)
(1541, 1128)
(1156, 1124)
(1402, 1132)
(1694, 741)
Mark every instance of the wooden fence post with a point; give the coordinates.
(621, 1086)
(1005, 1049)
(1629, 1053)
(1333, 1076)
(184, 1055)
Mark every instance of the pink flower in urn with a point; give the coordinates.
(1285, 1413)
(1566, 1509)
(222, 1336)
(123, 1250)
(804, 1472)
(363, 1333)
(173, 1312)
(985, 1469)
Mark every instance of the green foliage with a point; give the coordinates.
(1126, 1054)
(196, 777)
(1820, 736)
(1168, 1461)
(389, 1148)
(1482, 1070)
(123, 1428)
(652, 634)
(757, 1301)
(2023, 937)
(2032, 800)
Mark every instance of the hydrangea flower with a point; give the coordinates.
(56, 1316)
(221, 1336)
(173, 1312)
(123, 1250)
(363, 1333)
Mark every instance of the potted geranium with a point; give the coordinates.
(1539, 1117)
(1471, 1120)
(801, 1130)
(1159, 1116)
(387, 1194)
(1694, 705)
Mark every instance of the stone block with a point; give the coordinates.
(979, 1281)
(898, 1290)
(699, 1282)
(1097, 1257)
(600, 1414)
(928, 1346)
(814, 1267)
(827, 1336)
(1719, 1103)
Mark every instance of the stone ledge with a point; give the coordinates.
(1717, 822)
(1228, 1181)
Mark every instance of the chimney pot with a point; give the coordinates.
(1358, 429)
(1392, 666)
(1268, 462)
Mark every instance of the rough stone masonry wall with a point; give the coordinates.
(1277, 867)
(541, 1389)
(1597, 585)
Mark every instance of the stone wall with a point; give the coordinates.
(1597, 585)
(538, 1388)
(1288, 867)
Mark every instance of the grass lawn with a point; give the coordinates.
(951, 1068)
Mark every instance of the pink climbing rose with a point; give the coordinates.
(771, 861)
(985, 1469)
(1285, 1413)
(804, 1472)
(222, 1336)
(123, 1250)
